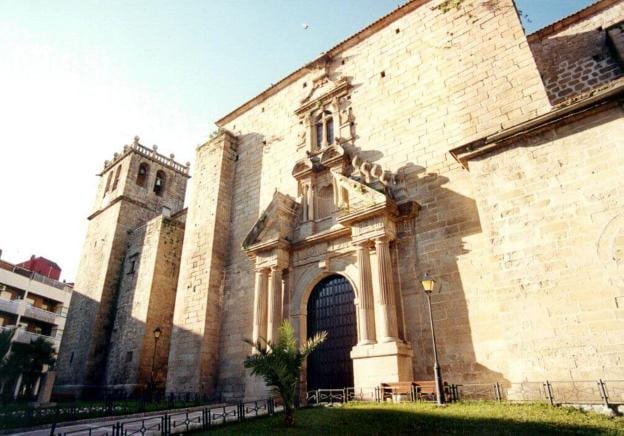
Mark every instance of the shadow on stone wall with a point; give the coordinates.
(435, 246)
(572, 64)
(237, 315)
(71, 363)
(122, 374)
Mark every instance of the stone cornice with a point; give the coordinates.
(151, 155)
(117, 200)
(362, 214)
(222, 138)
(567, 111)
(570, 20)
(266, 246)
(321, 236)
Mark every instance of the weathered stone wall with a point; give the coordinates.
(161, 303)
(447, 79)
(146, 299)
(552, 210)
(575, 55)
(198, 306)
(117, 212)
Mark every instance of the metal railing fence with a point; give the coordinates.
(166, 423)
(107, 403)
(555, 392)
(563, 392)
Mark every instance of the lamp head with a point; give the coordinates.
(157, 332)
(428, 283)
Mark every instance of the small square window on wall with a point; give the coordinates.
(132, 263)
(129, 356)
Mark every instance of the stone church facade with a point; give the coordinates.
(431, 141)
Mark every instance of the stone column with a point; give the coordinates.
(274, 318)
(260, 306)
(366, 308)
(304, 202)
(387, 330)
(310, 200)
(287, 279)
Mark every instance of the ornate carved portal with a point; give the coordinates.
(344, 222)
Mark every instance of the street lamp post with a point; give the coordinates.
(428, 285)
(157, 333)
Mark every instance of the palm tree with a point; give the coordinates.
(279, 364)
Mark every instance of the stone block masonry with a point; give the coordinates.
(449, 78)
(197, 317)
(125, 200)
(579, 53)
(356, 151)
(552, 208)
(145, 302)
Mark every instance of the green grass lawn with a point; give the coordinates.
(485, 418)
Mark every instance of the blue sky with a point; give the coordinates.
(79, 78)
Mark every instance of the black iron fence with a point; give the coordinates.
(555, 392)
(582, 392)
(172, 422)
(333, 396)
(198, 416)
(110, 403)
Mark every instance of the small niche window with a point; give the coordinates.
(129, 356)
(159, 183)
(117, 175)
(108, 182)
(324, 129)
(132, 263)
(142, 175)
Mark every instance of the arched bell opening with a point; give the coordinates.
(331, 308)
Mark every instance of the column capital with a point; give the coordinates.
(382, 239)
(365, 243)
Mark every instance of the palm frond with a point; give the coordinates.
(279, 363)
(313, 343)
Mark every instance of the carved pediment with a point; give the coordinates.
(302, 168)
(322, 92)
(275, 225)
(332, 155)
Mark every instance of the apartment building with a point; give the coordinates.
(34, 304)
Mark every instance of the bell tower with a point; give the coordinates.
(135, 186)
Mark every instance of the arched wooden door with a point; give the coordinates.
(331, 308)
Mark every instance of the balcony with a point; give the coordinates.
(21, 307)
(24, 337)
(35, 276)
(10, 306)
(40, 314)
